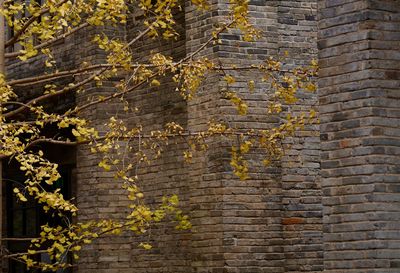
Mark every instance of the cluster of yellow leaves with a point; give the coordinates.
(162, 63)
(239, 165)
(286, 85)
(6, 92)
(268, 140)
(241, 106)
(201, 4)
(59, 241)
(119, 54)
(190, 76)
(239, 12)
(38, 170)
(161, 19)
(56, 17)
(113, 11)
(13, 136)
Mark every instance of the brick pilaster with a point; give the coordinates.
(359, 97)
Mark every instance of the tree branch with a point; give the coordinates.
(75, 86)
(122, 93)
(17, 239)
(57, 93)
(56, 75)
(30, 20)
(79, 71)
(49, 42)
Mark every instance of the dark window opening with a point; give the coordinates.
(26, 218)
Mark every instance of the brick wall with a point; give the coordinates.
(204, 175)
(359, 97)
(294, 216)
(98, 194)
(271, 222)
(301, 190)
(238, 226)
(167, 175)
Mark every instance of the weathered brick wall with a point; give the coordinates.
(98, 194)
(301, 191)
(257, 220)
(272, 222)
(204, 176)
(359, 95)
(157, 106)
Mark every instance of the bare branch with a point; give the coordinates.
(110, 97)
(209, 41)
(57, 93)
(18, 239)
(56, 75)
(79, 71)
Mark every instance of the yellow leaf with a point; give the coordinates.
(103, 164)
(311, 87)
(229, 79)
(145, 246)
(76, 133)
(155, 82)
(63, 124)
(77, 248)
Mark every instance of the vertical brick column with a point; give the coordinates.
(301, 190)
(98, 194)
(238, 225)
(205, 174)
(166, 175)
(359, 95)
(255, 218)
(253, 240)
